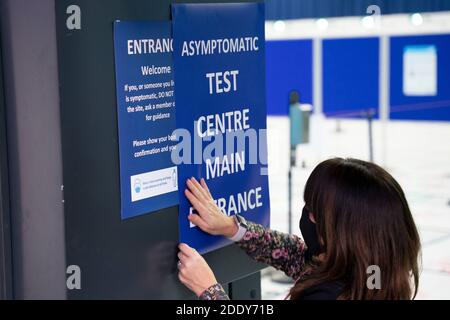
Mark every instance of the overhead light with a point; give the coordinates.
(416, 19)
(368, 22)
(322, 24)
(279, 26)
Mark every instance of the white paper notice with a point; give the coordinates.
(154, 183)
(420, 70)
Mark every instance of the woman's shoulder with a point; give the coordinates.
(324, 291)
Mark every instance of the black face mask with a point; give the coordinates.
(309, 233)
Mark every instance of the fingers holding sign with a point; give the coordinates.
(209, 218)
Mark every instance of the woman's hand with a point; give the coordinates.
(194, 272)
(209, 218)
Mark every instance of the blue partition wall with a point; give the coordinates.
(297, 9)
(350, 76)
(289, 67)
(436, 108)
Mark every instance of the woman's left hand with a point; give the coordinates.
(194, 272)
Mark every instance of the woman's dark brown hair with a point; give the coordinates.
(362, 219)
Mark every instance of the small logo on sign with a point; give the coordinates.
(137, 186)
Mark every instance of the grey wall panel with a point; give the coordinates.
(135, 258)
(34, 147)
(6, 291)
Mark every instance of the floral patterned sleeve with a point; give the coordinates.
(282, 251)
(215, 292)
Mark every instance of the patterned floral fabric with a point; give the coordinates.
(282, 251)
(215, 292)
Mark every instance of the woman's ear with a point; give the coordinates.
(311, 217)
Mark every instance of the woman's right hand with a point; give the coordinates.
(209, 218)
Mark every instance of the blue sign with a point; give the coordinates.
(219, 60)
(146, 116)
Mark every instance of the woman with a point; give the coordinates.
(355, 217)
